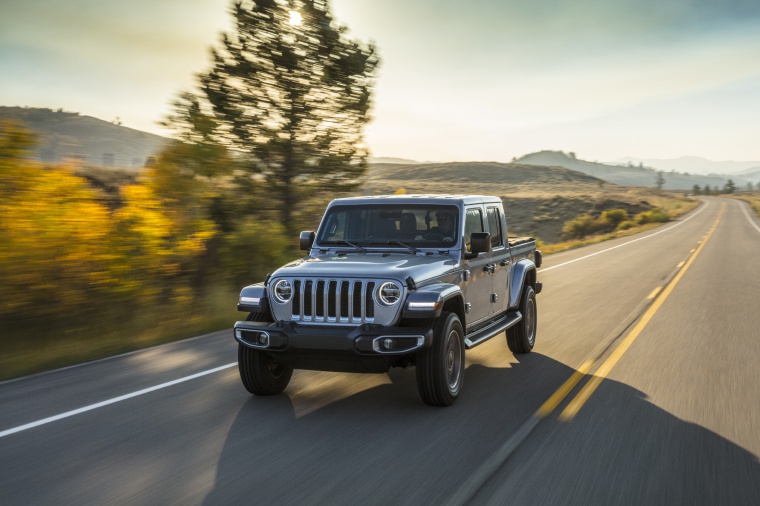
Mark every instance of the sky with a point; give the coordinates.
(482, 80)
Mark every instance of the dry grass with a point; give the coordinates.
(103, 335)
(752, 198)
(538, 200)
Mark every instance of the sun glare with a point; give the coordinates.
(295, 18)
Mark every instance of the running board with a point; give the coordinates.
(508, 320)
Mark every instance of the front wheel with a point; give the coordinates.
(440, 368)
(260, 374)
(522, 337)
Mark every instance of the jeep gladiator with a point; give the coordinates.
(393, 281)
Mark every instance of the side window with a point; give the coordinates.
(494, 227)
(473, 222)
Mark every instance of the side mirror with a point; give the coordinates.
(480, 242)
(306, 239)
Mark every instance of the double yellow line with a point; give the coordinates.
(603, 371)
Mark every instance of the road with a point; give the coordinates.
(642, 389)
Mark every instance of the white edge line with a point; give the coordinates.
(67, 414)
(626, 243)
(751, 222)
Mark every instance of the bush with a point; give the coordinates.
(656, 215)
(615, 216)
(625, 225)
(579, 227)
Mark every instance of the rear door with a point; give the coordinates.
(499, 258)
(478, 287)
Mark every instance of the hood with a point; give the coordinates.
(396, 266)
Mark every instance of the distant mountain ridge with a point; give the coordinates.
(694, 165)
(68, 135)
(631, 175)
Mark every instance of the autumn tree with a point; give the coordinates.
(290, 94)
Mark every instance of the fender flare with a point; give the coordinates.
(253, 298)
(428, 301)
(522, 271)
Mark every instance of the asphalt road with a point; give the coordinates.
(655, 337)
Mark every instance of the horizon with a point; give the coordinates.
(495, 80)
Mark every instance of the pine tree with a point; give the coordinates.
(290, 94)
(730, 187)
(659, 180)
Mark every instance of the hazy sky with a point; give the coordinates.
(475, 80)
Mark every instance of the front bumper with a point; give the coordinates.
(368, 339)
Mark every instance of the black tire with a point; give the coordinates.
(440, 368)
(259, 373)
(522, 337)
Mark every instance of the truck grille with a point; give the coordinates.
(333, 300)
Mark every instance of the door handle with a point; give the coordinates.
(504, 263)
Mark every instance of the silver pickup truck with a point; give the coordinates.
(392, 281)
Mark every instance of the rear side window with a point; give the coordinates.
(494, 227)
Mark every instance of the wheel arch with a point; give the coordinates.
(524, 273)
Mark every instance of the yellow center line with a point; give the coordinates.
(577, 403)
(561, 393)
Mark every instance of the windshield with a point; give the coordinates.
(417, 226)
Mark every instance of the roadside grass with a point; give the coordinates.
(752, 198)
(674, 208)
(31, 347)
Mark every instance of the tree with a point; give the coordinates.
(729, 187)
(750, 187)
(290, 94)
(697, 189)
(708, 190)
(659, 179)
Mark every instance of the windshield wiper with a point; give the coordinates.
(346, 243)
(397, 243)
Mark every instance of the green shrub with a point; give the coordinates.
(656, 215)
(625, 225)
(581, 226)
(615, 216)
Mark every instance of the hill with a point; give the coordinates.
(692, 165)
(539, 199)
(628, 175)
(68, 135)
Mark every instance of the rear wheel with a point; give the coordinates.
(522, 337)
(440, 368)
(259, 373)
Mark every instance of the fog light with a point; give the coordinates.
(264, 339)
(388, 343)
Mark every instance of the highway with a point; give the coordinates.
(643, 388)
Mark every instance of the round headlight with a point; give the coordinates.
(388, 293)
(283, 290)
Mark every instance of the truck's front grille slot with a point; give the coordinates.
(357, 306)
(344, 298)
(297, 295)
(369, 305)
(333, 300)
(320, 293)
(307, 297)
